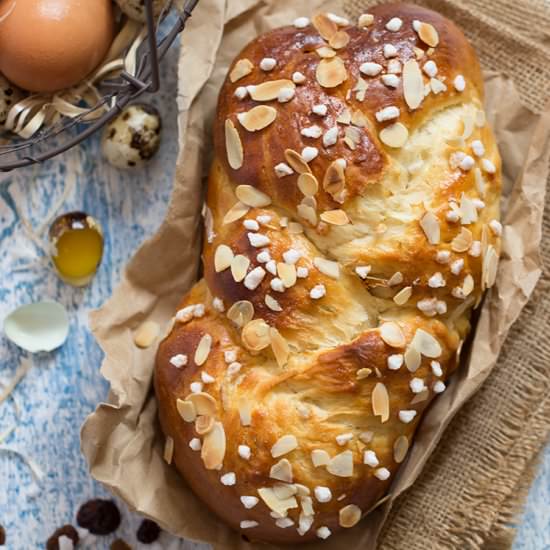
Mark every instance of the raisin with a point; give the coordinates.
(67, 530)
(99, 516)
(148, 531)
(119, 544)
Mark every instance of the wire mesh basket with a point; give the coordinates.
(115, 94)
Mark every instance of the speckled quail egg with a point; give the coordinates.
(132, 137)
(9, 95)
(135, 9)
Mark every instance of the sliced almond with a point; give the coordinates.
(360, 89)
(468, 285)
(349, 143)
(222, 257)
(365, 20)
(282, 471)
(413, 84)
(468, 210)
(204, 424)
(168, 450)
(484, 239)
(146, 334)
(203, 403)
(203, 349)
(341, 465)
(308, 184)
(272, 304)
(349, 515)
(344, 117)
(363, 373)
(213, 447)
(490, 266)
(233, 146)
(324, 26)
(392, 334)
(359, 119)
(284, 445)
(339, 40)
(255, 335)
(310, 201)
(327, 267)
(279, 346)
(352, 137)
(420, 397)
(325, 53)
(457, 142)
(257, 118)
(296, 161)
(245, 413)
(286, 490)
(463, 241)
(335, 179)
(331, 72)
(335, 217)
(402, 297)
(396, 278)
(241, 313)
(430, 225)
(380, 402)
(186, 410)
(307, 213)
(426, 344)
(242, 68)
(287, 274)
(236, 212)
(295, 228)
(239, 267)
(413, 359)
(395, 135)
(480, 118)
(251, 196)
(268, 91)
(428, 34)
(400, 449)
(278, 505)
(468, 124)
(306, 517)
(319, 457)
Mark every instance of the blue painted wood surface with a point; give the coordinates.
(63, 387)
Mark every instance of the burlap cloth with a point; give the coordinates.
(475, 483)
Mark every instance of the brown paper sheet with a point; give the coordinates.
(122, 440)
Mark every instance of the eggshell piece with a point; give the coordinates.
(49, 45)
(76, 247)
(41, 326)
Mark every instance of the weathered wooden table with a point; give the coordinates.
(64, 386)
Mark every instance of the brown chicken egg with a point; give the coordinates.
(48, 45)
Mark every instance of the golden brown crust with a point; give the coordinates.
(353, 298)
(295, 51)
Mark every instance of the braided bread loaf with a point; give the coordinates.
(351, 226)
